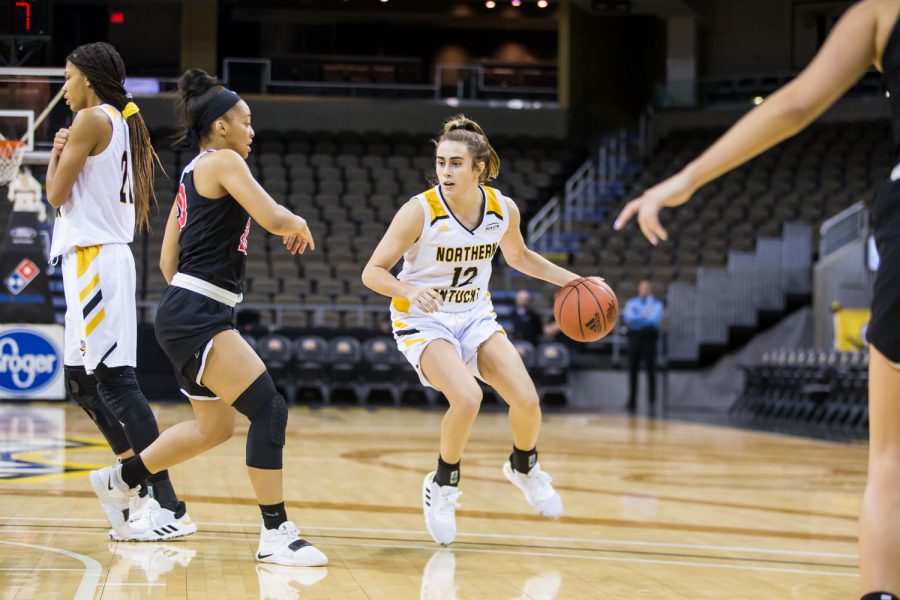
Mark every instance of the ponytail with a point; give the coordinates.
(460, 128)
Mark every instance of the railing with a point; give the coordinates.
(548, 220)
(847, 226)
(459, 81)
(746, 90)
(591, 187)
(359, 312)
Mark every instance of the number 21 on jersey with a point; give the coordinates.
(125, 196)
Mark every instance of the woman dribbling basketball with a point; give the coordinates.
(443, 319)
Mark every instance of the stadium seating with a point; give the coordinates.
(808, 391)
(348, 185)
(807, 178)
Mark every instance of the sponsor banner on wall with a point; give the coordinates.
(31, 362)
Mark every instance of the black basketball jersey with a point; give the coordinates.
(890, 63)
(213, 235)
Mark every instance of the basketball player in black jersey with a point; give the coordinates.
(867, 34)
(203, 256)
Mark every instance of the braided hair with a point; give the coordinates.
(104, 69)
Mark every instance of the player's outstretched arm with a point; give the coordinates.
(842, 60)
(402, 233)
(232, 173)
(522, 259)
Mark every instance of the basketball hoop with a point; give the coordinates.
(11, 154)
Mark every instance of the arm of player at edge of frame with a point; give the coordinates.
(845, 56)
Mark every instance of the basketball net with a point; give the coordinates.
(11, 154)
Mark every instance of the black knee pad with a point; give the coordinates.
(118, 389)
(267, 411)
(83, 390)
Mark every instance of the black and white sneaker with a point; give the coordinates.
(439, 504)
(284, 546)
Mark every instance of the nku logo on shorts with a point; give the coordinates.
(29, 361)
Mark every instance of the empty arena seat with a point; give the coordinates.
(344, 360)
(310, 368)
(551, 375)
(807, 391)
(380, 361)
(277, 351)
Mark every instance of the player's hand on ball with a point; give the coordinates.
(60, 139)
(425, 299)
(300, 239)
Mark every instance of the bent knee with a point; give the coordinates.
(467, 401)
(528, 402)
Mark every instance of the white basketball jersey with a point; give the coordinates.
(450, 258)
(100, 209)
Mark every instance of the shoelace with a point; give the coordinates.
(538, 481)
(138, 507)
(449, 499)
(289, 531)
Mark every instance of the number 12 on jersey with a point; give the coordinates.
(470, 274)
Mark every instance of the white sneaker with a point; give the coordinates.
(439, 504)
(438, 577)
(155, 560)
(153, 523)
(538, 490)
(284, 546)
(277, 582)
(115, 496)
(137, 505)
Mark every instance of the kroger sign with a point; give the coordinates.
(30, 360)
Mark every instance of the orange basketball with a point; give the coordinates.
(586, 310)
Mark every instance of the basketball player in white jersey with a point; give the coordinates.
(868, 34)
(443, 319)
(100, 180)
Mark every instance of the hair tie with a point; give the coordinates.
(130, 109)
(128, 96)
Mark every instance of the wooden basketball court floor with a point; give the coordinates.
(653, 509)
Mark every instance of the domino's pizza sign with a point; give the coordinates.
(21, 276)
(31, 362)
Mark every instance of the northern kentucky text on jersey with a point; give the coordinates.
(465, 253)
(460, 296)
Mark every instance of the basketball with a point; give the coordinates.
(585, 309)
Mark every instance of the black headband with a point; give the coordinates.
(217, 106)
(220, 104)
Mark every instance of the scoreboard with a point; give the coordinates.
(24, 18)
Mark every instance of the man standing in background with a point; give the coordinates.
(527, 323)
(643, 316)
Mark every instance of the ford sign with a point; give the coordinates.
(29, 361)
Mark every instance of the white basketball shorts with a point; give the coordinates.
(101, 317)
(466, 330)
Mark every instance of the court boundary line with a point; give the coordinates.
(621, 559)
(92, 571)
(611, 542)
